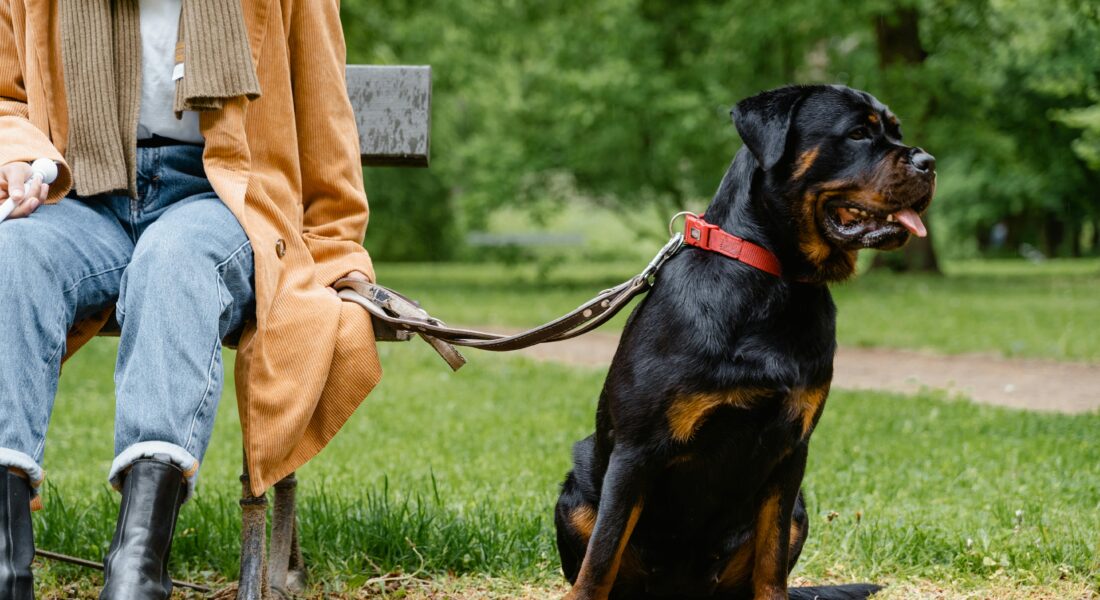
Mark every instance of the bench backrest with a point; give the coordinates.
(393, 111)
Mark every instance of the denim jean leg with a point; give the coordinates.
(188, 286)
(165, 176)
(61, 264)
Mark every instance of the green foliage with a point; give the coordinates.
(1027, 69)
(411, 215)
(625, 103)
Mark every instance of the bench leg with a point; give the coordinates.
(253, 580)
(287, 568)
(296, 576)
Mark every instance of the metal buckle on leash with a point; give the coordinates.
(671, 248)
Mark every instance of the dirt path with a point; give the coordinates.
(1030, 384)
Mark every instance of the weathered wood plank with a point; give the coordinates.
(393, 113)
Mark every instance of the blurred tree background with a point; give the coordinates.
(623, 104)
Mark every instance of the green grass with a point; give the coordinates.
(455, 474)
(1010, 308)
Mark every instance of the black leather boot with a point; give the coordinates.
(136, 567)
(16, 538)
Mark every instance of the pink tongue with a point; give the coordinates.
(911, 220)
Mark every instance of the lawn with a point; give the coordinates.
(446, 476)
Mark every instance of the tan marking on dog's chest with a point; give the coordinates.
(805, 405)
(687, 413)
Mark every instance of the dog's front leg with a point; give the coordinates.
(620, 506)
(773, 528)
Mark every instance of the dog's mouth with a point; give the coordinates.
(853, 224)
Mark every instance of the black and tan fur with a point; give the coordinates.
(690, 486)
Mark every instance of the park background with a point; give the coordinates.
(565, 133)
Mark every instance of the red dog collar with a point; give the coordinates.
(701, 234)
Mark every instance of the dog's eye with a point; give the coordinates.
(859, 133)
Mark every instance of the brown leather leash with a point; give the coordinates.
(397, 318)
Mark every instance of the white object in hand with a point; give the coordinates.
(44, 169)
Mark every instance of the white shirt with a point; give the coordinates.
(159, 33)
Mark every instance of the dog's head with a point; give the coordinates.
(835, 167)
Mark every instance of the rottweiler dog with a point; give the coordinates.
(690, 486)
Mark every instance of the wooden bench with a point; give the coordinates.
(393, 115)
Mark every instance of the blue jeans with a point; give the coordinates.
(177, 267)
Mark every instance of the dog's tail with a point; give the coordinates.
(855, 591)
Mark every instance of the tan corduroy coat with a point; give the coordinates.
(287, 165)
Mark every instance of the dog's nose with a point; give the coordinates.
(922, 161)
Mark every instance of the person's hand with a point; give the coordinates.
(353, 275)
(27, 196)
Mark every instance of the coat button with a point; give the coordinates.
(280, 248)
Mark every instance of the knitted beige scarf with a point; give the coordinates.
(101, 55)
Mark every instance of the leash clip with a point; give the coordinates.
(670, 249)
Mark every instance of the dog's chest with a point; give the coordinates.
(774, 378)
(711, 484)
(726, 444)
(735, 439)
(752, 414)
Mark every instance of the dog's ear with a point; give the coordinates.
(764, 122)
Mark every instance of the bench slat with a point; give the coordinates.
(393, 113)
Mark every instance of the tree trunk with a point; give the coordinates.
(897, 36)
(1054, 233)
(1075, 233)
